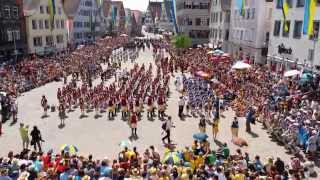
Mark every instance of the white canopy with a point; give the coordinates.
(291, 73)
(241, 65)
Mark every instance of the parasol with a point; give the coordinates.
(200, 136)
(123, 35)
(125, 143)
(291, 73)
(69, 148)
(172, 158)
(241, 65)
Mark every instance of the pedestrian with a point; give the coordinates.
(181, 106)
(250, 119)
(215, 127)
(36, 138)
(166, 127)
(44, 104)
(24, 135)
(133, 124)
(14, 110)
(235, 127)
(202, 125)
(62, 114)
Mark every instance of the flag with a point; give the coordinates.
(309, 11)
(99, 3)
(173, 12)
(241, 4)
(52, 8)
(114, 14)
(285, 10)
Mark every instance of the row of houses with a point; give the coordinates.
(254, 31)
(50, 26)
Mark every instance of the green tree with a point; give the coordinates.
(181, 42)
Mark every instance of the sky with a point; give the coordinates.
(136, 4)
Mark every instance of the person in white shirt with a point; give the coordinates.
(167, 129)
(181, 103)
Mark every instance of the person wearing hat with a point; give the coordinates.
(235, 127)
(24, 135)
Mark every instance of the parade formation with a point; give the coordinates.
(110, 81)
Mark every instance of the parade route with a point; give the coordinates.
(103, 136)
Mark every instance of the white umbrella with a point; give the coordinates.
(210, 52)
(241, 65)
(123, 35)
(218, 51)
(291, 73)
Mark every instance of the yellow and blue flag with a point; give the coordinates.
(241, 6)
(309, 11)
(52, 8)
(285, 10)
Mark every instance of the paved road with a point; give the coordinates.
(102, 136)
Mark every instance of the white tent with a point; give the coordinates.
(291, 73)
(241, 65)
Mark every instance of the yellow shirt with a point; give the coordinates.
(238, 176)
(24, 133)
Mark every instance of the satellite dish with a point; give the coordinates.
(70, 7)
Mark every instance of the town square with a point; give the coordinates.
(109, 92)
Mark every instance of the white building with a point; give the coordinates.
(86, 22)
(43, 35)
(193, 19)
(220, 24)
(249, 31)
(302, 46)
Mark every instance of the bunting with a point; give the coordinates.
(309, 12)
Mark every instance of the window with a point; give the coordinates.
(221, 16)
(41, 24)
(310, 54)
(59, 11)
(34, 24)
(297, 29)
(300, 3)
(315, 34)
(58, 24)
(276, 30)
(15, 12)
(62, 24)
(46, 24)
(48, 10)
(41, 10)
(198, 21)
(59, 39)
(49, 40)
(6, 12)
(253, 11)
(248, 13)
(37, 41)
(284, 32)
(9, 35)
(208, 22)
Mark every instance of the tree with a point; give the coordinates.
(182, 41)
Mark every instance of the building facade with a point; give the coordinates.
(249, 30)
(220, 24)
(128, 21)
(166, 20)
(193, 19)
(46, 35)
(292, 47)
(153, 15)
(86, 23)
(12, 30)
(136, 21)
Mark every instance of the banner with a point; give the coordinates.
(114, 14)
(52, 8)
(309, 11)
(174, 17)
(241, 5)
(285, 10)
